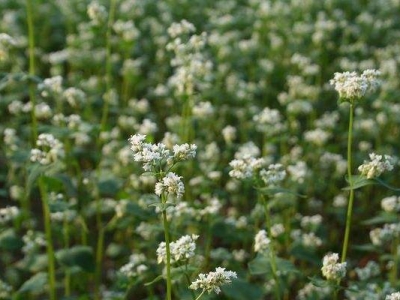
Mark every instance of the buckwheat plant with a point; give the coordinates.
(393, 296)
(352, 88)
(48, 151)
(249, 167)
(212, 282)
(331, 269)
(377, 165)
(160, 160)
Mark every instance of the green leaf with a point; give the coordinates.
(162, 206)
(304, 253)
(53, 183)
(319, 282)
(382, 183)
(277, 190)
(10, 241)
(37, 170)
(358, 181)
(109, 187)
(69, 186)
(240, 289)
(78, 256)
(35, 284)
(361, 181)
(365, 248)
(381, 219)
(178, 272)
(158, 278)
(262, 265)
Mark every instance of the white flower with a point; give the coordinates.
(170, 184)
(274, 175)
(245, 167)
(48, 150)
(269, 121)
(212, 281)
(183, 27)
(317, 136)
(96, 12)
(261, 241)
(391, 204)
(351, 86)
(8, 213)
(135, 266)
(380, 236)
(393, 296)
(5, 290)
(181, 250)
(51, 86)
(152, 155)
(370, 270)
(184, 151)
(377, 165)
(229, 134)
(331, 269)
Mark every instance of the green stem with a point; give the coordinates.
(396, 261)
(271, 249)
(186, 129)
(99, 256)
(168, 250)
(31, 42)
(188, 280)
(50, 250)
(67, 279)
(351, 196)
(104, 116)
(202, 293)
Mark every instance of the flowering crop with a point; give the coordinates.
(193, 149)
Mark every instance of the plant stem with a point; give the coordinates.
(67, 279)
(351, 196)
(395, 261)
(168, 250)
(31, 42)
(202, 293)
(99, 255)
(271, 249)
(50, 250)
(110, 22)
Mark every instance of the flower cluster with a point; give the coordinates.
(213, 281)
(261, 241)
(6, 42)
(51, 86)
(393, 296)
(273, 175)
(245, 167)
(181, 250)
(370, 270)
(171, 184)
(269, 121)
(377, 165)
(331, 269)
(49, 149)
(193, 69)
(154, 155)
(5, 290)
(134, 267)
(96, 12)
(382, 235)
(352, 86)
(8, 213)
(391, 204)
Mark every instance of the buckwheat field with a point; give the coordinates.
(199, 149)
